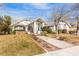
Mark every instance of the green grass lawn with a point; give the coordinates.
(18, 45)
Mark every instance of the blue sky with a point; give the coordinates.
(29, 10)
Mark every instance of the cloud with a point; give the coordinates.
(2, 5)
(26, 12)
(41, 5)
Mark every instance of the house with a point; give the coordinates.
(21, 25)
(36, 26)
(73, 26)
(60, 26)
(30, 26)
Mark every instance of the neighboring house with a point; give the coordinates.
(29, 26)
(73, 27)
(60, 26)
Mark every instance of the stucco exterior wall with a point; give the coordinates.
(60, 26)
(24, 22)
(26, 28)
(63, 25)
(35, 27)
(19, 28)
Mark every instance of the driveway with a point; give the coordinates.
(71, 51)
(55, 42)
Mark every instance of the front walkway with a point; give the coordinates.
(55, 42)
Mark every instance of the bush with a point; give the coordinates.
(13, 32)
(62, 31)
(59, 31)
(61, 38)
(53, 32)
(71, 32)
(44, 33)
(47, 29)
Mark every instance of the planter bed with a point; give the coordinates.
(45, 45)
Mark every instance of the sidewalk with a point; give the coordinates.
(55, 42)
(72, 51)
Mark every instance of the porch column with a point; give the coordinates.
(35, 28)
(26, 28)
(43, 24)
(13, 28)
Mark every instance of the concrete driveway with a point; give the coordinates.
(55, 42)
(71, 51)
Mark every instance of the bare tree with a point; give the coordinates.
(77, 30)
(76, 6)
(61, 13)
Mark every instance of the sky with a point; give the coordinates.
(20, 11)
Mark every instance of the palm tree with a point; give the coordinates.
(1, 24)
(7, 23)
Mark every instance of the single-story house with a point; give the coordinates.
(37, 25)
(60, 26)
(30, 26)
(21, 25)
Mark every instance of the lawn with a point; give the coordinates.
(20, 44)
(66, 37)
(71, 38)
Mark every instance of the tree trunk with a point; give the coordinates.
(78, 28)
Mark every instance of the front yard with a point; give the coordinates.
(66, 37)
(20, 44)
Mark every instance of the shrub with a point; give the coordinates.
(62, 31)
(61, 38)
(44, 33)
(53, 32)
(13, 32)
(71, 32)
(59, 31)
(47, 29)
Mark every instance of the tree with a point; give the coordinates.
(76, 6)
(5, 23)
(77, 31)
(1, 24)
(61, 13)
